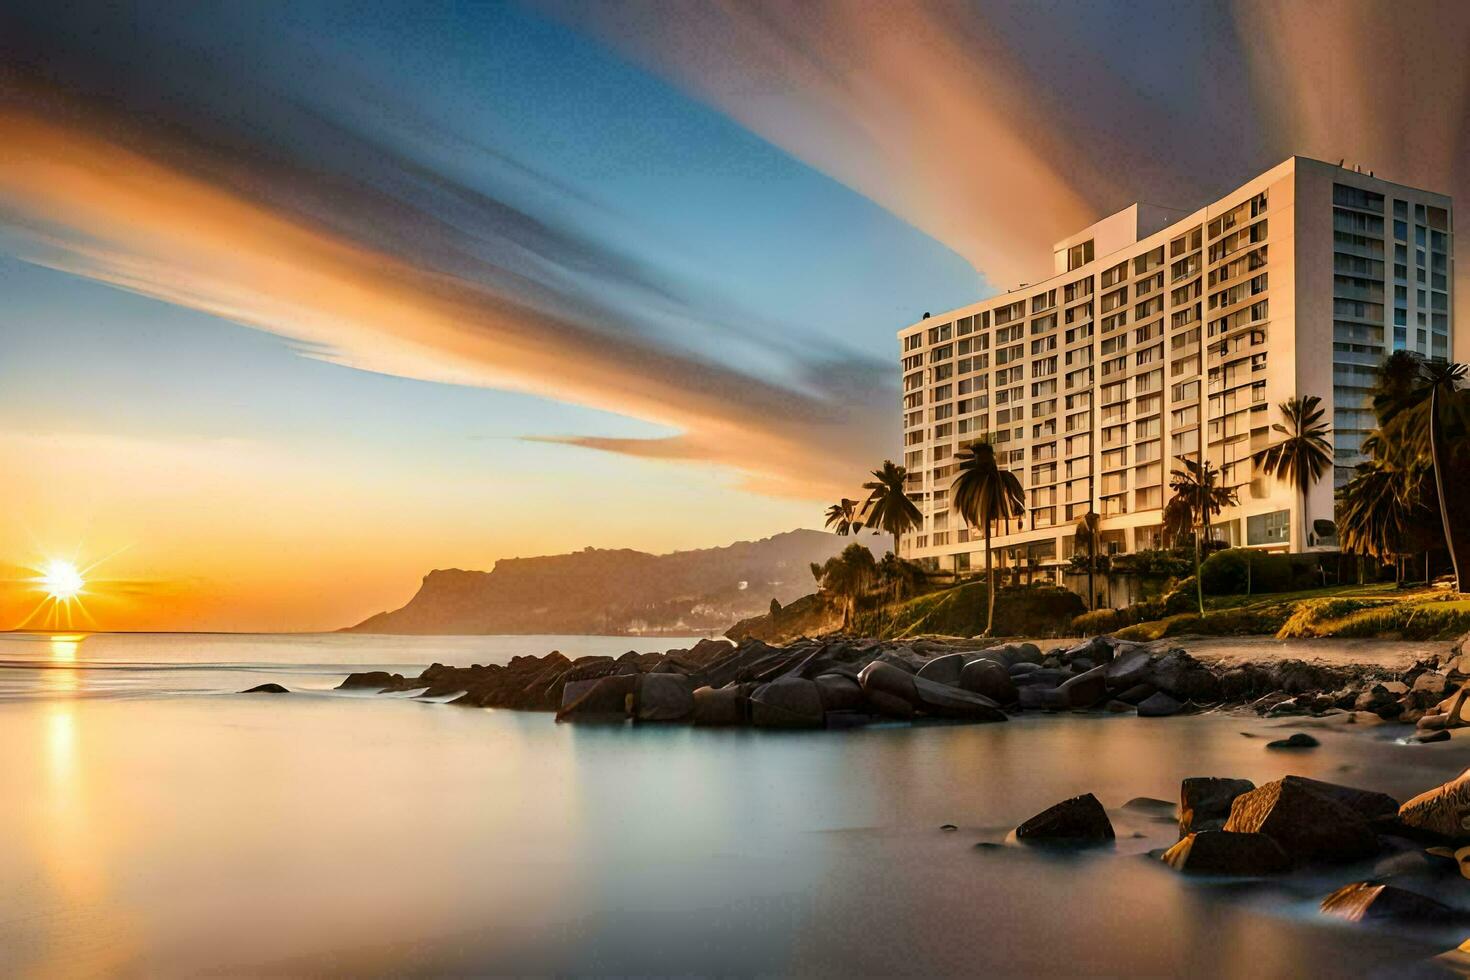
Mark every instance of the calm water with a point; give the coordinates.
(154, 824)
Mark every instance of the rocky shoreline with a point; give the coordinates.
(841, 682)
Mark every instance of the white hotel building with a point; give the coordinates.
(1163, 332)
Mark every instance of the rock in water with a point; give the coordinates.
(1297, 740)
(608, 699)
(1365, 901)
(1158, 705)
(1086, 689)
(266, 689)
(1366, 803)
(943, 701)
(720, 706)
(1310, 827)
(1443, 811)
(1220, 852)
(839, 692)
(787, 702)
(1080, 820)
(1129, 669)
(988, 678)
(1204, 802)
(944, 670)
(664, 697)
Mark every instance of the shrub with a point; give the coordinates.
(1026, 610)
(1182, 598)
(1098, 622)
(1236, 570)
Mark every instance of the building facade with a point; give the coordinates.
(1164, 334)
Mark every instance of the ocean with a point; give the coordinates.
(155, 823)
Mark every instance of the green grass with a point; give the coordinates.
(960, 611)
(1379, 610)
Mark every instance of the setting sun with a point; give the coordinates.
(61, 580)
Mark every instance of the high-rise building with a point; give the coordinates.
(1163, 334)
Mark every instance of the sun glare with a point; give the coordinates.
(61, 580)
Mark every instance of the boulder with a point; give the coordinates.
(1204, 801)
(1366, 803)
(881, 677)
(1137, 694)
(720, 706)
(1025, 667)
(1432, 684)
(377, 680)
(943, 701)
(1080, 820)
(607, 699)
(1296, 740)
(1129, 669)
(1221, 852)
(1366, 901)
(1181, 676)
(266, 689)
(1309, 826)
(945, 669)
(1158, 705)
(1097, 650)
(1043, 677)
(1443, 812)
(1084, 690)
(839, 692)
(1040, 697)
(889, 705)
(664, 696)
(989, 678)
(787, 702)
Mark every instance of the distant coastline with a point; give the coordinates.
(603, 592)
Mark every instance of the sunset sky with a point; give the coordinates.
(298, 302)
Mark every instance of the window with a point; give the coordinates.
(1272, 528)
(1079, 255)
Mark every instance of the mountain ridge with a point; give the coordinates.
(613, 590)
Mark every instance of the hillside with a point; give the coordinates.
(614, 591)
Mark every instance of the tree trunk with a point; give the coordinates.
(1199, 586)
(989, 584)
(1436, 455)
(895, 544)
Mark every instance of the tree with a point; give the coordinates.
(1085, 537)
(1197, 488)
(889, 506)
(1423, 415)
(982, 494)
(1377, 510)
(1443, 381)
(848, 576)
(843, 517)
(1303, 455)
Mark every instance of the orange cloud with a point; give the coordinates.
(100, 210)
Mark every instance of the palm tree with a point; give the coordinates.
(1443, 381)
(1085, 536)
(1303, 455)
(843, 517)
(888, 505)
(982, 494)
(848, 576)
(1196, 488)
(1423, 415)
(1377, 510)
(1178, 518)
